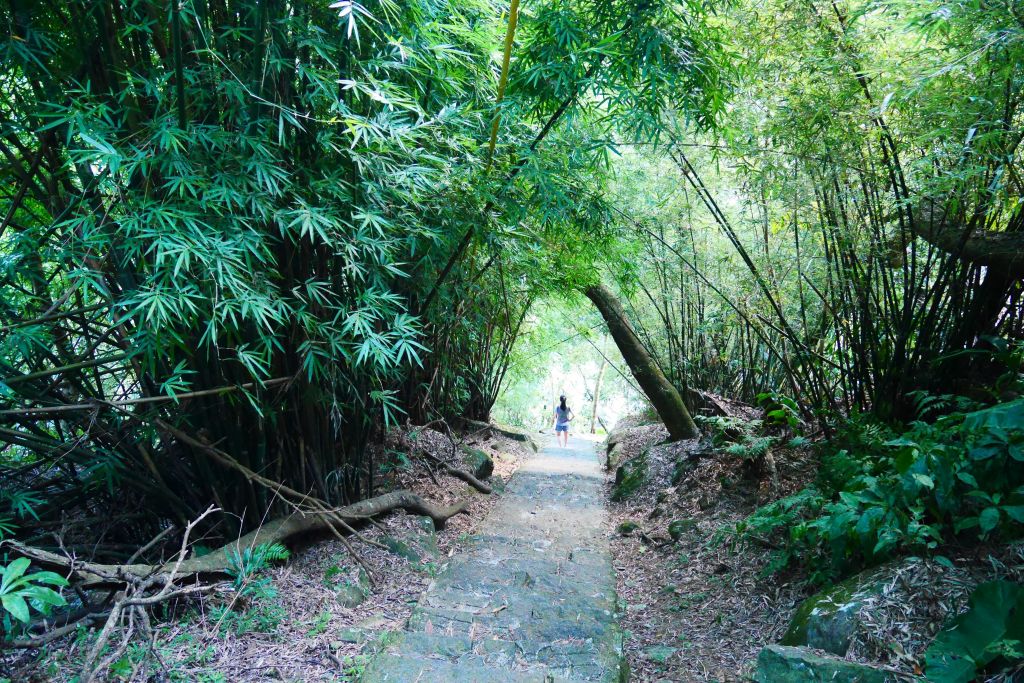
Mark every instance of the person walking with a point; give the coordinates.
(563, 416)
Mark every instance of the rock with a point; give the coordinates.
(374, 622)
(659, 653)
(629, 477)
(683, 467)
(351, 634)
(350, 595)
(478, 462)
(614, 458)
(781, 664)
(614, 439)
(628, 527)
(828, 621)
(416, 545)
(678, 527)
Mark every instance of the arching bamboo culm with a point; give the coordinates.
(652, 380)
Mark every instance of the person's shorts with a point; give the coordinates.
(561, 428)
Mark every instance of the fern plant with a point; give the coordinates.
(243, 567)
(255, 608)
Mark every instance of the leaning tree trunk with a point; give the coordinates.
(652, 380)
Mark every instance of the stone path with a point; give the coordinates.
(531, 597)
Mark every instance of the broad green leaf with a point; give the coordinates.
(988, 519)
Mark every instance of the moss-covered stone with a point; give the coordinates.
(629, 477)
(781, 664)
(350, 634)
(659, 654)
(350, 595)
(417, 545)
(828, 621)
(478, 462)
(628, 527)
(678, 527)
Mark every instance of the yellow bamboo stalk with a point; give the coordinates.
(510, 33)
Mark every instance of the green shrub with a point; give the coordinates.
(256, 607)
(883, 492)
(738, 437)
(779, 410)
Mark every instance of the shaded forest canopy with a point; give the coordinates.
(276, 230)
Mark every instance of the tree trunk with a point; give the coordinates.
(1000, 252)
(652, 381)
(597, 398)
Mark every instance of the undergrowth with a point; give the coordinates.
(884, 491)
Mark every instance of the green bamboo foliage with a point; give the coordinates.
(272, 225)
(786, 254)
(209, 216)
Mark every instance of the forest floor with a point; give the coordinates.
(700, 607)
(316, 614)
(696, 609)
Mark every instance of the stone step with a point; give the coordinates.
(401, 668)
(423, 654)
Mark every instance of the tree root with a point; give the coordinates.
(92, 575)
(460, 474)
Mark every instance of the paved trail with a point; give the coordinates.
(531, 597)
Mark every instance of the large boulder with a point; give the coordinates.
(829, 620)
(782, 664)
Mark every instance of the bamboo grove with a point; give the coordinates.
(852, 237)
(275, 229)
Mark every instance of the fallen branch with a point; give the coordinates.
(460, 474)
(216, 563)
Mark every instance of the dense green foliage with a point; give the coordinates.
(262, 233)
(883, 492)
(277, 226)
(984, 639)
(780, 253)
(22, 593)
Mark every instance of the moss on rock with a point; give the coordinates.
(628, 527)
(781, 664)
(678, 527)
(478, 462)
(629, 477)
